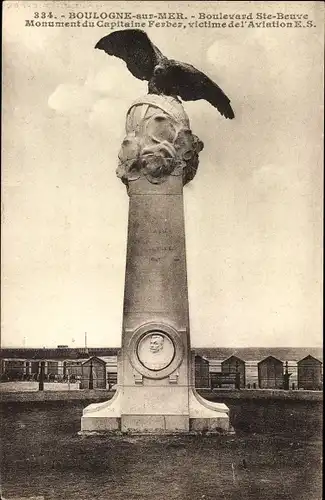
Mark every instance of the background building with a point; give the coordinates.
(258, 367)
(310, 374)
(93, 373)
(235, 365)
(202, 372)
(270, 373)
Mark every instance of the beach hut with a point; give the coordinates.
(235, 365)
(270, 373)
(310, 374)
(202, 376)
(93, 374)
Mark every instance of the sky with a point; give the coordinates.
(253, 213)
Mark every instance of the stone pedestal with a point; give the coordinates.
(156, 392)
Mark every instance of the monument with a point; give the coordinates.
(156, 388)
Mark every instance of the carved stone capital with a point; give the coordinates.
(158, 142)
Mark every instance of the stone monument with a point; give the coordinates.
(156, 388)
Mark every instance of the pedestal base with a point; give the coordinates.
(206, 416)
(99, 417)
(202, 416)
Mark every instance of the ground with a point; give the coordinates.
(268, 458)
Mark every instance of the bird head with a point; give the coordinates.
(159, 69)
(100, 44)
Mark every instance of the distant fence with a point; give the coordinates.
(234, 373)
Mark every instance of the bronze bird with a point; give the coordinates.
(165, 76)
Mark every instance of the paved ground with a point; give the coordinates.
(42, 455)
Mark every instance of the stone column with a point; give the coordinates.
(156, 393)
(155, 339)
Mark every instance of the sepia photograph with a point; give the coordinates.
(162, 258)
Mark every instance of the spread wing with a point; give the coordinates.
(135, 48)
(191, 85)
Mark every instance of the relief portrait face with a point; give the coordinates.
(155, 350)
(156, 343)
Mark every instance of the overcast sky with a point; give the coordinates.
(253, 212)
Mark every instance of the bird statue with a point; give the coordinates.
(165, 76)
